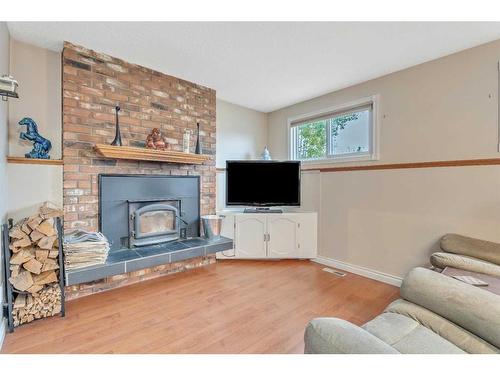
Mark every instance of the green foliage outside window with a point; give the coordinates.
(312, 136)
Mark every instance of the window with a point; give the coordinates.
(345, 133)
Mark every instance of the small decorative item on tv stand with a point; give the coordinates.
(156, 141)
(266, 155)
(41, 145)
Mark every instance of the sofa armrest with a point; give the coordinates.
(472, 247)
(463, 262)
(337, 336)
(472, 308)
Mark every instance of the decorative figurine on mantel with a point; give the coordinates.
(197, 149)
(186, 138)
(41, 145)
(156, 141)
(118, 136)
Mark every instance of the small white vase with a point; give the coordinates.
(266, 155)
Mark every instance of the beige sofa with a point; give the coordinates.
(436, 314)
(468, 254)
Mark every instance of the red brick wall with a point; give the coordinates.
(92, 84)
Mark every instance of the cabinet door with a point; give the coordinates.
(307, 235)
(283, 236)
(227, 230)
(249, 236)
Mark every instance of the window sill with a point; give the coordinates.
(306, 164)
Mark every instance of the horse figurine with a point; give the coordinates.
(41, 145)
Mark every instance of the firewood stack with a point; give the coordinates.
(34, 266)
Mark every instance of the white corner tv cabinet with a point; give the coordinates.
(287, 235)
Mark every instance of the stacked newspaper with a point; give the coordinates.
(83, 249)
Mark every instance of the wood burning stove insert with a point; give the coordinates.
(140, 210)
(152, 222)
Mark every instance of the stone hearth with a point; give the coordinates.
(127, 260)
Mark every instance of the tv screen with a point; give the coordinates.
(262, 183)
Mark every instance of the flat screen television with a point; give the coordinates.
(262, 183)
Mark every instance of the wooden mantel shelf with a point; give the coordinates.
(137, 153)
(23, 160)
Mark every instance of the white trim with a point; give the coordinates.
(374, 131)
(336, 108)
(3, 321)
(498, 102)
(340, 159)
(3, 330)
(359, 270)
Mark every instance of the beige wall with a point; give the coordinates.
(435, 111)
(31, 185)
(4, 113)
(38, 72)
(389, 221)
(241, 134)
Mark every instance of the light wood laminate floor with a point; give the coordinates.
(234, 306)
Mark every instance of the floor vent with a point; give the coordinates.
(335, 272)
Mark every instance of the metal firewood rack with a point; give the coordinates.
(8, 306)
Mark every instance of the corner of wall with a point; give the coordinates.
(4, 115)
(268, 137)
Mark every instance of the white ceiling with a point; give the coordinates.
(266, 66)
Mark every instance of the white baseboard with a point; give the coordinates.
(359, 270)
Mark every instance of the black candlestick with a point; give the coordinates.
(118, 137)
(197, 150)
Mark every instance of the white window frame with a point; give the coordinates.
(372, 154)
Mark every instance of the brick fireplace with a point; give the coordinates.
(93, 84)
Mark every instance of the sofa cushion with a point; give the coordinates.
(473, 247)
(451, 332)
(474, 309)
(408, 336)
(337, 336)
(463, 262)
